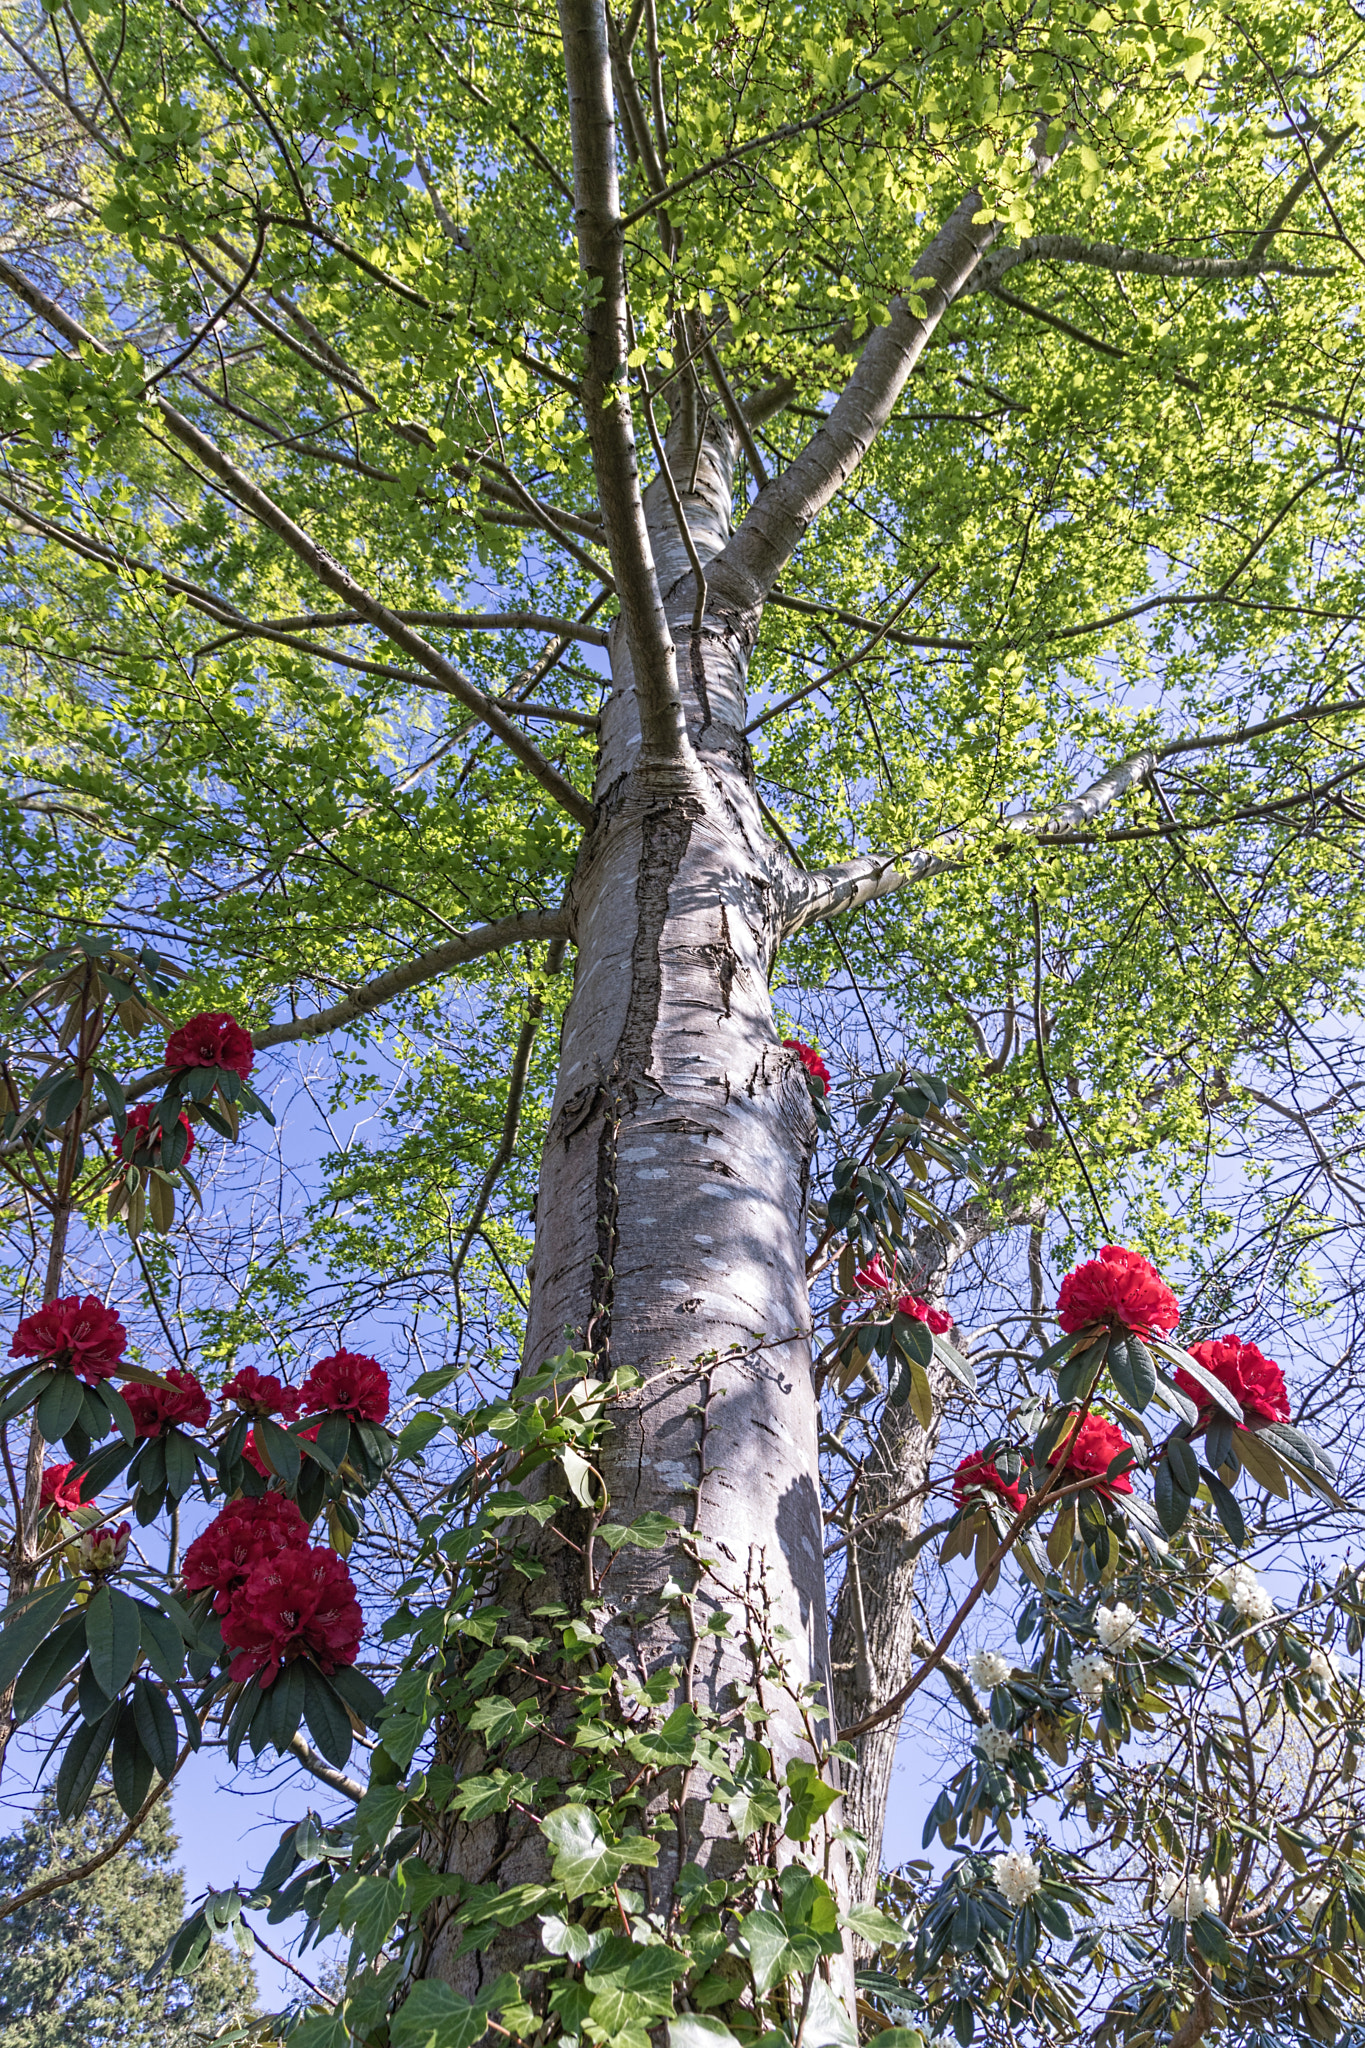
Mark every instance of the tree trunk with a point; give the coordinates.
(671, 1215)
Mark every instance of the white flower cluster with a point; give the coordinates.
(1247, 1594)
(988, 1668)
(1118, 1627)
(1017, 1876)
(1090, 1674)
(1185, 1898)
(995, 1744)
(1322, 1664)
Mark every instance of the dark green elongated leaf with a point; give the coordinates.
(1172, 1504)
(113, 1634)
(1056, 1352)
(1227, 1508)
(130, 1767)
(59, 1405)
(1183, 1463)
(156, 1727)
(360, 1693)
(1026, 1934)
(114, 1097)
(120, 1414)
(284, 1708)
(1053, 1915)
(50, 1665)
(1300, 1445)
(1176, 1397)
(1142, 1366)
(328, 1722)
(1204, 1378)
(27, 1622)
(93, 1701)
(62, 1100)
(333, 1440)
(245, 1711)
(80, 1767)
(279, 1449)
(913, 1337)
(23, 1393)
(95, 1472)
(181, 1466)
(162, 1643)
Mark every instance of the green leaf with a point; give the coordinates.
(59, 1404)
(416, 1434)
(774, 1955)
(872, 1924)
(1183, 1463)
(156, 1727)
(51, 1663)
(811, 1796)
(581, 1857)
(80, 1767)
(120, 1414)
(130, 1767)
(646, 1973)
(1227, 1508)
(827, 2023)
(279, 1449)
(360, 1693)
(434, 2016)
(113, 1634)
(27, 1621)
(695, 2030)
(162, 1643)
(328, 1722)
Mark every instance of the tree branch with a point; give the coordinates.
(606, 389)
(251, 498)
(1113, 257)
(747, 567)
(349, 1788)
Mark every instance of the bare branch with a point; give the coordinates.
(747, 567)
(606, 390)
(349, 1788)
(1113, 257)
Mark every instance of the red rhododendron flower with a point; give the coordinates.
(181, 1401)
(978, 1471)
(59, 1492)
(213, 1039)
(242, 1536)
(1097, 1444)
(300, 1603)
(1118, 1287)
(810, 1059)
(873, 1278)
(81, 1334)
(938, 1319)
(134, 1137)
(1249, 1376)
(347, 1383)
(260, 1393)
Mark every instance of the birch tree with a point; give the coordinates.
(614, 515)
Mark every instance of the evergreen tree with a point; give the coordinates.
(74, 1966)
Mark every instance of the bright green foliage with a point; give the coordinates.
(77, 1965)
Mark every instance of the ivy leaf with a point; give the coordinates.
(581, 1857)
(695, 2030)
(434, 2016)
(811, 1796)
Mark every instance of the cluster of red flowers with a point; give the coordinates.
(298, 1603)
(181, 1402)
(347, 1383)
(977, 1473)
(242, 1536)
(1249, 1376)
(810, 1060)
(1118, 1287)
(134, 1137)
(1096, 1445)
(77, 1332)
(261, 1393)
(59, 1493)
(213, 1039)
(873, 1278)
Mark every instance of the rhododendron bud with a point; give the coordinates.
(103, 1550)
(298, 1603)
(347, 1383)
(938, 1319)
(181, 1402)
(1097, 1444)
(1252, 1379)
(213, 1039)
(810, 1060)
(977, 1473)
(135, 1138)
(77, 1332)
(1118, 1287)
(59, 1493)
(243, 1535)
(261, 1393)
